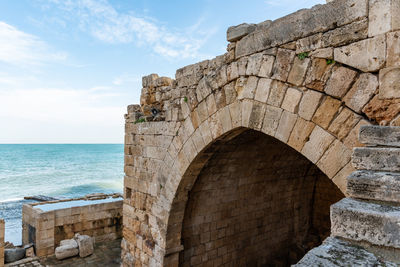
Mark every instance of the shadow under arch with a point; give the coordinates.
(246, 179)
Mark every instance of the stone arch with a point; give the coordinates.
(196, 138)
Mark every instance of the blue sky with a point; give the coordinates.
(69, 68)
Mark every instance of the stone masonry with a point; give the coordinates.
(307, 82)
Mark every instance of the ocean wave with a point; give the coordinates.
(11, 200)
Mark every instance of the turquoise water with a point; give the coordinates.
(63, 171)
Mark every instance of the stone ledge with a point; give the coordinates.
(380, 135)
(376, 159)
(336, 252)
(357, 220)
(384, 186)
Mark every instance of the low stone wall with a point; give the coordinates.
(1, 242)
(46, 229)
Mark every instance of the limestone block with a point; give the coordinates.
(271, 120)
(361, 92)
(345, 35)
(337, 252)
(249, 88)
(389, 83)
(376, 158)
(380, 135)
(292, 100)
(357, 220)
(383, 16)
(382, 186)
(148, 80)
(254, 64)
(382, 110)
(344, 123)
(235, 33)
(309, 43)
(232, 71)
(211, 105)
(266, 66)
(276, 93)
(326, 53)
(225, 118)
(300, 134)
(67, 248)
(317, 144)
(303, 23)
(262, 91)
(340, 81)
(236, 114)
(340, 179)
(309, 103)
(13, 254)
(202, 110)
(283, 62)
(257, 115)
(367, 55)
(205, 132)
(286, 124)
(203, 89)
(393, 49)
(247, 107)
(318, 73)
(85, 244)
(334, 159)
(230, 93)
(326, 112)
(298, 71)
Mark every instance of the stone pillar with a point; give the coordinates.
(2, 242)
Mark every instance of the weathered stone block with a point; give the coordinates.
(367, 55)
(335, 158)
(67, 249)
(303, 23)
(393, 49)
(382, 110)
(249, 88)
(363, 221)
(317, 144)
(361, 92)
(340, 81)
(285, 126)
(254, 64)
(271, 120)
(376, 158)
(344, 123)
(380, 135)
(262, 91)
(300, 134)
(266, 66)
(326, 112)
(389, 83)
(309, 43)
(276, 93)
(383, 16)
(309, 103)
(382, 186)
(337, 252)
(235, 33)
(298, 71)
(318, 73)
(85, 244)
(283, 62)
(292, 100)
(326, 53)
(347, 34)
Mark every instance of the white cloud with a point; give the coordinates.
(20, 48)
(59, 115)
(105, 23)
(127, 78)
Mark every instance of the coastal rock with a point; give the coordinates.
(85, 244)
(68, 248)
(13, 254)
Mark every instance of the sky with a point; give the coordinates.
(69, 68)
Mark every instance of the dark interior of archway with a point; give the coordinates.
(257, 202)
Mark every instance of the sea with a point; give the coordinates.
(55, 170)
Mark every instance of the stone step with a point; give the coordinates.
(384, 186)
(357, 220)
(374, 135)
(337, 252)
(376, 158)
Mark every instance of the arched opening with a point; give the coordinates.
(256, 202)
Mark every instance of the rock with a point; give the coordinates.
(326, 112)
(346, 34)
(383, 17)
(41, 198)
(366, 55)
(393, 49)
(85, 244)
(318, 73)
(376, 158)
(382, 109)
(13, 254)
(361, 92)
(68, 248)
(235, 33)
(389, 83)
(340, 81)
(283, 62)
(336, 252)
(30, 252)
(378, 135)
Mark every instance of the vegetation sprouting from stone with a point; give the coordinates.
(303, 55)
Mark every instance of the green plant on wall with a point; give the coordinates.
(139, 120)
(329, 61)
(303, 55)
(185, 99)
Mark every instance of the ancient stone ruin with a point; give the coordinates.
(237, 161)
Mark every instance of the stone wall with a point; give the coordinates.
(309, 79)
(234, 213)
(102, 221)
(2, 228)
